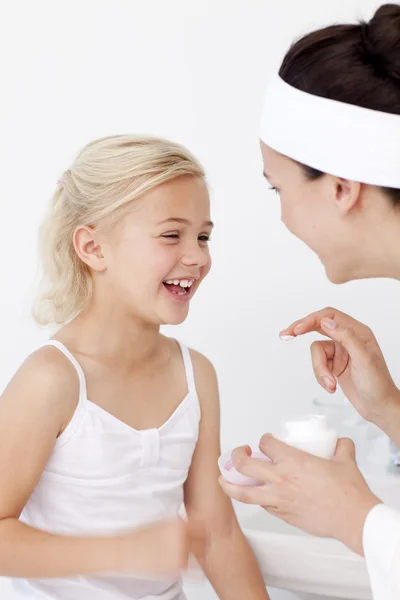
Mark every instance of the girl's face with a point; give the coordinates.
(157, 255)
(326, 214)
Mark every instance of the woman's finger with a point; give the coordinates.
(253, 467)
(240, 453)
(278, 452)
(257, 494)
(356, 340)
(308, 323)
(313, 322)
(322, 355)
(329, 360)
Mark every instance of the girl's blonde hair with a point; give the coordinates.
(106, 176)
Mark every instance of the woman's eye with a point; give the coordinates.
(204, 238)
(273, 189)
(171, 235)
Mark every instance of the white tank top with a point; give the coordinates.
(105, 477)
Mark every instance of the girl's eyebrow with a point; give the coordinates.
(184, 221)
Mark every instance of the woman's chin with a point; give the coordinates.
(336, 275)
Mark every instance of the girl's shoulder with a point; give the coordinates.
(201, 368)
(46, 380)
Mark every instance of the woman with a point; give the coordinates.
(330, 140)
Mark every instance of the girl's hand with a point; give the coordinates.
(160, 549)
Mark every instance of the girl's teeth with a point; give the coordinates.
(183, 283)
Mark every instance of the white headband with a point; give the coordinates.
(347, 141)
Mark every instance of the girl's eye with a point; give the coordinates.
(175, 236)
(273, 189)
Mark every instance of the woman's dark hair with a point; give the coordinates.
(357, 64)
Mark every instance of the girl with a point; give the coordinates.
(110, 426)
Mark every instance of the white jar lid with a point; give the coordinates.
(312, 425)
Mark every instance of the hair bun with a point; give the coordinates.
(381, 41)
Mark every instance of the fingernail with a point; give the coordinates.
(299, 328)
(328, 383)
(329, 323)
(286, 338)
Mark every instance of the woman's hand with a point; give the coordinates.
(327, 498)
(353, 358)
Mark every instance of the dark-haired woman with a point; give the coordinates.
(330, 139)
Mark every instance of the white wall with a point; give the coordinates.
(195, 72)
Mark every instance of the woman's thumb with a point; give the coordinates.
(345, 450)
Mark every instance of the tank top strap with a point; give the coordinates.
(75, 364)
(189, 370)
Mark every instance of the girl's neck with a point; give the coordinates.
(112, 336)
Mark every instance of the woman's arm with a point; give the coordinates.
(331, 498)
(228, 560)
(381, 540)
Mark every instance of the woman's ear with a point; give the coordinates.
(347, 195)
